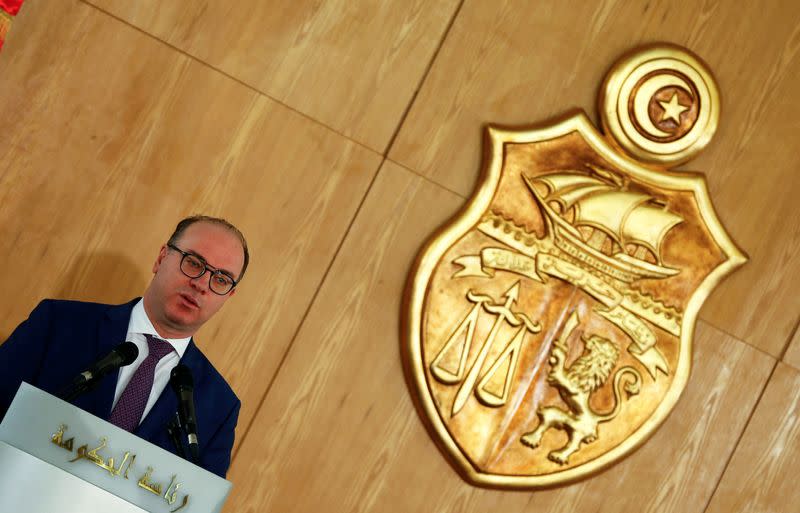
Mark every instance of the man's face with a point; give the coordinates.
(178, 305)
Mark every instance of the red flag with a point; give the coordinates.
(8, 9)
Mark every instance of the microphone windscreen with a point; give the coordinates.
(181, 378)
(128, 352)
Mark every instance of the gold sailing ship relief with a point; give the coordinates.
(549, 326)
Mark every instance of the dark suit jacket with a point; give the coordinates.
(60, 339)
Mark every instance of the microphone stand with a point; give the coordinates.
(174, 429)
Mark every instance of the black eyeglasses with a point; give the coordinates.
(194, 267)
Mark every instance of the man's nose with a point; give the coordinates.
(200, 283)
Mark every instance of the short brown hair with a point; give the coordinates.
(187, 222)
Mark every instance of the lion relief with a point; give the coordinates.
(575, 384)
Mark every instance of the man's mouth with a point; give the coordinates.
(189, 299)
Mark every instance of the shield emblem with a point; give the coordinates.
(548, 327)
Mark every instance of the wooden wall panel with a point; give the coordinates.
(340, 413)
(110, 137)
(111, 134)
(351, 65)
(792, 356)
(508, 62)
(762, 474)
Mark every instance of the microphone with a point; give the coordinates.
(183, 385)
(122, 355)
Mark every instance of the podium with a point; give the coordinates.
(55, 457)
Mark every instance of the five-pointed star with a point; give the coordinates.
(672, 109)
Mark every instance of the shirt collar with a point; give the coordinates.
(140, 323)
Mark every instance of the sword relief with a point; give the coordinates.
(575, 385)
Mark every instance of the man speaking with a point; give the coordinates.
(195, 273)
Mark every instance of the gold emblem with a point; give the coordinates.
(661, 105)
(549, 326)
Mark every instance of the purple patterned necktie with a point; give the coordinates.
(130, 407)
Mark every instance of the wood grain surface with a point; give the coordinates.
(340, 397)
(118, 118)
(118, 137)
(499, 65)
(354, 66)
(761, 475)
(792, 356)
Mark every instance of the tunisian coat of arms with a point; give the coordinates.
(549, 326)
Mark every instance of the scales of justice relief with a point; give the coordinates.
(548, 327)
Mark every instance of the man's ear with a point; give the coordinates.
(161, 255)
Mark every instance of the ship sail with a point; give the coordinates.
(607, 210)
(647, 225)
(569, 197)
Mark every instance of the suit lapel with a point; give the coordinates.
(110, 333)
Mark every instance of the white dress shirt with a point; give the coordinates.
(138, 327)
